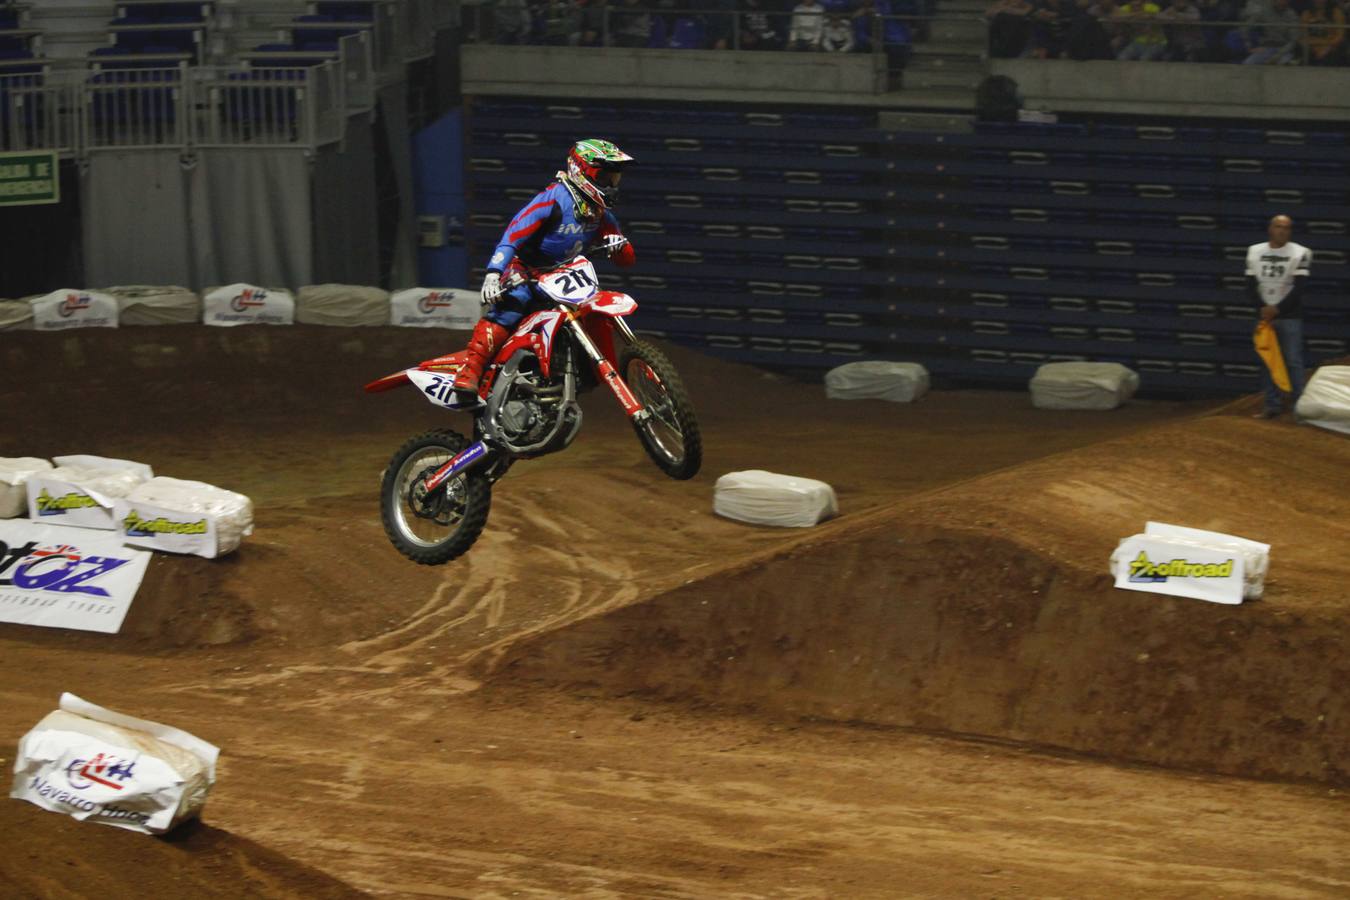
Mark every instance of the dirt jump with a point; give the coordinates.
(616, 693)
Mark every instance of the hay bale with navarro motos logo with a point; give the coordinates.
(101, 766)
(247, 304)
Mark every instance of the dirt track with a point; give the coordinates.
(495, 728)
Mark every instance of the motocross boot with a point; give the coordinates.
(487, 338)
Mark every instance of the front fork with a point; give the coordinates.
(608, 374)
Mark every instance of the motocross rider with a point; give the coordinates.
(570, 216)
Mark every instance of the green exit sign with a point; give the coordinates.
(29, 178)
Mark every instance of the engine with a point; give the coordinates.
(529, 415)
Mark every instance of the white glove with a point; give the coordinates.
(613, 243)
(492, 288)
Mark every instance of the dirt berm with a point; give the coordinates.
(986, 608)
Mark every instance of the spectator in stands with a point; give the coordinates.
(719, 23)
(808, 23)
(1009, 28)
(1051, 22)
(837, 36)
(757, 32)
(1185, 40)
(1277, 271)
(1087, 37)
(630, 24)
(559, 22)
(875, 20)
(1217, 11)
(1141, 38)
(1324, 34)
(592, 22)
(1279, 35)
(512, 22)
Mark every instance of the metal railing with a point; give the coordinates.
(75, 113)
(38, 116)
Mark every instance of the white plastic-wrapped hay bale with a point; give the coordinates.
(1082, 385)
(767, 498)
(247, 304)
(422, 307)
(14, 474)
(176, 516)
(16, 315)
(145, 304)
(342, 305)
(97, 765)
(898, 382)
(81, 489)
(1191, 562)
(1325, 401)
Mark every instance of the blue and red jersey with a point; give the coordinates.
(548, 230)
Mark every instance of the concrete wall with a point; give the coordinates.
(1181, 89)
(704, 75)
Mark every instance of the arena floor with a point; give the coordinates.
(618, 694)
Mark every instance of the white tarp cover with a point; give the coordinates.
(70, 308)
(16, 315)
(177, 516)
(14, 472)
(1325, 400)
(53, 576)
(81, 489)
(435, 308)
(146, 304)
(1191, 562)
(899, 382)
(97, 765)
(248, 304)
(341, 304)
(1082, 385)
(766, 498)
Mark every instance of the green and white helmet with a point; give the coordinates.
(593, 167)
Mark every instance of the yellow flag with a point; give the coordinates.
(1268, 347)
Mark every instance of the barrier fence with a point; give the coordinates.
(75, 111)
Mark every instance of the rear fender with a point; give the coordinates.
(447, 365)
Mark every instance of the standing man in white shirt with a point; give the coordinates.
(1277, 271)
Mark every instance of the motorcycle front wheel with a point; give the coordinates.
(432, 527)
(670, 434)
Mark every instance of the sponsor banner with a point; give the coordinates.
(56, 502)
(61, 577)
(435, 308)
(94, 764)
(27, 179)
(69, 308)
(1180, 569)
(159, 528)
(247, 304)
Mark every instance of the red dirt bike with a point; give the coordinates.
(437, 488)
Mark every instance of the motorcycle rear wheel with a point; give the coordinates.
(432, 529)
(670, 434)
